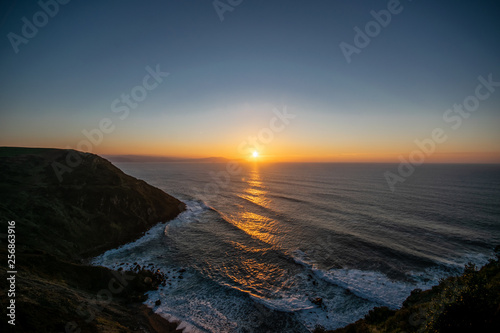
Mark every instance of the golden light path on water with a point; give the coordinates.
(255, 274)
(256, 225)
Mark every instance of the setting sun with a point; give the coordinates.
(251, 185)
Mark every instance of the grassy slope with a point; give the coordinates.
(96, 207)
(52, 294)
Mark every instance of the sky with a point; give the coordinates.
(317, 81)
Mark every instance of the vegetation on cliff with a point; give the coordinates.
(466, 303)
(95, 207)
(92, 208)
(63, 218)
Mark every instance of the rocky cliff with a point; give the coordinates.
(75, 204)
(67, 206)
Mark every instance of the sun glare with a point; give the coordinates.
(255, 154)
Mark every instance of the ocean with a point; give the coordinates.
(286, 247)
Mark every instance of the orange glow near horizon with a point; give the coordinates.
(248, 133)
(288, 154)
(239, 93)
(288, 146)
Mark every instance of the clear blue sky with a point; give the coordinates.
(227, 76)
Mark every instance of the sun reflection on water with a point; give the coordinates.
(255, 191)
(253, 221)
(252, 271)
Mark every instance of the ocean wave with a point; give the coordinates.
(107, 258)
(284, 197)
(193, 213)
(379, 288)
(195, 312)
(369, 285)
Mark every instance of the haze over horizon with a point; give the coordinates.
(290, 80)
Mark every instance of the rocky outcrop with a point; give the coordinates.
(75, 204)
(67, 206)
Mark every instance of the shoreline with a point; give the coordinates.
(144, 314)
(155, 322)
(464, 303)
(61, 222)
(62, 226)
(381, 312)
(410, 294)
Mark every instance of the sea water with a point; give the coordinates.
(286, 247)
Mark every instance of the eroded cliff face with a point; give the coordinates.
(73, 204)
(67, 206)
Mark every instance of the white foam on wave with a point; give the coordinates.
(197, 308)
(379, 288)
(458, 263)
(449, 267)
(193, 212)
(107, 258)
(189, 305)
(184, 326)
(374, 288)
(336, 314)
(369, 285)
(285, 303)
(169, 312)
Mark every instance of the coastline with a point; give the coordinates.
(412, 315)
(469, 302)
(60, 224)
(155, 322)
(63, 225)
